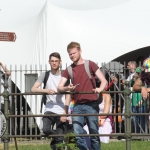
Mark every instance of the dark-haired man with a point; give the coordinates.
(55, 104)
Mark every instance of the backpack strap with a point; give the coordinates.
(86, 66)
(87, 69)
(69, 69)
(46, 78)
(43, 101)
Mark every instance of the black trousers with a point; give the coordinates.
(2, 108)
(48, 123)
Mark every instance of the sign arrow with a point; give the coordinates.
(8, 36)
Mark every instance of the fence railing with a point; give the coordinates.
(24, 120)
(127, 114)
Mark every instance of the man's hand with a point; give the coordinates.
(140, 103)
(97, 90)
(123, 81)
(144, 92)
(71, 87)
(63, 118)
(50, 91)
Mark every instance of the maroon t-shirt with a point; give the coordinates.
(81, 77)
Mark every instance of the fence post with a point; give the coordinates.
(6, 108)
(127, 93)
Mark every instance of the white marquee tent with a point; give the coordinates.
(105, 29)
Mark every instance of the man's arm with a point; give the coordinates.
(139, 87)
(67, 103)
(104, 82)
(5, 69)
(62, 88)
(107, 99)
(36, 88)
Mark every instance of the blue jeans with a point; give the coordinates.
(138, 120)
(92, 122)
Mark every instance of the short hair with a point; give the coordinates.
(133, 63)
(73, 45)
(55, 54)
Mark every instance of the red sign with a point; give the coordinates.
(7, 36)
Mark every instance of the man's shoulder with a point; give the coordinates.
(92, 63)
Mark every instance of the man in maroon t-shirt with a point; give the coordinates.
(84, 103)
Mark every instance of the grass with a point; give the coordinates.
(41, 145)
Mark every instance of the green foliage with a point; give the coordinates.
(69, 144)
(70, 138)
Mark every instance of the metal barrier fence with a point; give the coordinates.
(23, 117)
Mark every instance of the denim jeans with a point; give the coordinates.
(92, 122)
(48, 123)
(138, 120)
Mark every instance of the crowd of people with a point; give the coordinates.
(89, 103)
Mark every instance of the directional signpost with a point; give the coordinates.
(7, 36)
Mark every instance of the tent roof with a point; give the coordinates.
(86, 4)
(105, 29)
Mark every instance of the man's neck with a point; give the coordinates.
(55, 72)
(132, 71)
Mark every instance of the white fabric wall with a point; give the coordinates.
(104, 34)
(107, 29)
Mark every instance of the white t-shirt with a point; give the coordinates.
(54, 103)
(130, 76)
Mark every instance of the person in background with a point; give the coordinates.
(3, 76)
(137, 106)
(131, 66)
(55, 104)
(105, 126)
(142, 84)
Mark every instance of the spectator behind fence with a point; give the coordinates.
(84, 103)
(137, 106)
(143, 83)
(131, 66)
(55, 104)
(105, 123)
(117, 102)
(3, 75)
